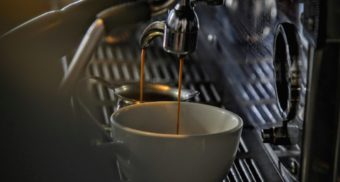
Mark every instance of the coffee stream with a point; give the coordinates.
(141, 85)
(181, 60)
(141, 81)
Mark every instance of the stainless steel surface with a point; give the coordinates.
(152, 31)
(111, 17)
(287, 86)
(83, 56)
(288, 76)
(181, 27)
(180, 30)
(129, 93)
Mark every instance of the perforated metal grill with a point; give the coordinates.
(247, 65)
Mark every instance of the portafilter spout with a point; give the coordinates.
(179, 30)
(181, 27)
(152, 31)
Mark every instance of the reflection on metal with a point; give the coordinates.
(180, 29)
(287, 72)
(111, 17)
(117, 38)
(288, 86)
(257, 24)
(152, 31)
(83, 55)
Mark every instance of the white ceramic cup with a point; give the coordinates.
(149, 150)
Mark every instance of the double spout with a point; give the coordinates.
(179, 30)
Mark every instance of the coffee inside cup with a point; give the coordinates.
(149, 96)
(159, 117)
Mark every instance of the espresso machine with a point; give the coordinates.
(275, 63)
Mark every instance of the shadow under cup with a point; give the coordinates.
(203, 151)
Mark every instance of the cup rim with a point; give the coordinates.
(164, 135)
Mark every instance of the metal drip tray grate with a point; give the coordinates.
(121, 63)
(244, 170)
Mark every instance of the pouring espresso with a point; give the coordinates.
(181, 61)
(141, 88)
(179, 34)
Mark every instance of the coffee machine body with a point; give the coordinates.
(275, 63)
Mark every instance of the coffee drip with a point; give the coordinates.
(141, 81)
(181, 61)
(141, 86)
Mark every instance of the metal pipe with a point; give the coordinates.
(83, 55)
(155, 29)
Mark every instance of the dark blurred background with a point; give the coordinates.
(15, 12)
